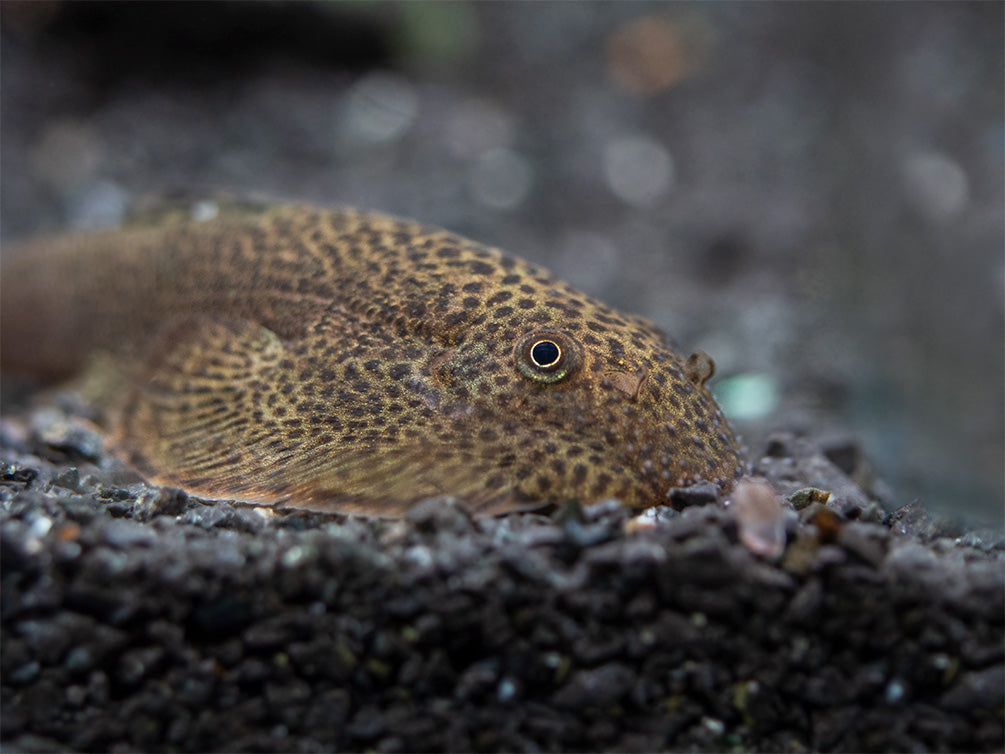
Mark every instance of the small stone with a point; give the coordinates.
(12, 473)
(440, 514)
(867, 541)
(598, 687)
(76, 696)
(894, 692)
(702, 493)
(24, 674)
(79, 659)
(209, 516)
(367, 724)
(506, 690)
(914, 520)
(478, 678)
(760, 517)
(160, 501)
(579, 536)
(845, 454)
(68, 480)
(805, 606)
(137, 663)
(828, 524)
(604, 509)
(979, 688)
(778, 446)
(123, 533)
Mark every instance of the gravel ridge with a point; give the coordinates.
(135, 617)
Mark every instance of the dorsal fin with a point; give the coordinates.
(187, 205)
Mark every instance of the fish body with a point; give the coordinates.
(345, 361)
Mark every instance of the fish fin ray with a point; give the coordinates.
(388, 479)
(213, 410)
(194, 410)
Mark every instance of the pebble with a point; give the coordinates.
(596, 688)
(702, 493)
(121, 533)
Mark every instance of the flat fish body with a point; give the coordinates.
(344, 361)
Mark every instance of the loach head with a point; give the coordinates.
(540, 393)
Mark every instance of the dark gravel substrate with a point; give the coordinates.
(135, 618)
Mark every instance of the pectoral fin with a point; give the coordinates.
(197, 414)
(387, 479)
(221, 410)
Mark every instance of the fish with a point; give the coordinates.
(345, 361)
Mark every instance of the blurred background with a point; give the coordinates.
(812, 193)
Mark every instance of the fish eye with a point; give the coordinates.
(546, 355)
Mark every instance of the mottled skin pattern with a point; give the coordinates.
(353, 362)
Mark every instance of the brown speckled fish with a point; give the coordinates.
(352, 362)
